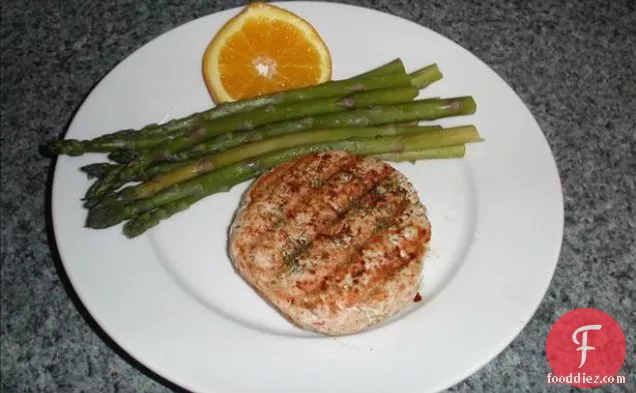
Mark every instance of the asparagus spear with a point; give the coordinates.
(128, 156)
(425, 76)
(145, 221)
(113, 211)
(455, 151)
(427, 109)
(98, 170)
(246, 121)
(214, 161)
(199, 120)
(394, 66)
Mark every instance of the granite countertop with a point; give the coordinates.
(573, 63)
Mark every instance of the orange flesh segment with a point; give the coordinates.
(264, 49)
(279, 54)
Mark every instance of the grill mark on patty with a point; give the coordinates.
(340, 199)
(389, 272)
(269, 183)
(315, 212)
(292, 185)
(372, 265)
(265, 213)
(336, 245)
(392, 263)
(394, 286)
(264, 183)
(302, 182)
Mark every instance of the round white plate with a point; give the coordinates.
(171, 299)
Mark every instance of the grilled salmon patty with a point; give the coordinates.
(332, 240)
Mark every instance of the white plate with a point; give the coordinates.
(171, 299)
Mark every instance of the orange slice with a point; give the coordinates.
(262, 50)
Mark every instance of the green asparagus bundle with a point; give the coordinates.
(180, 162)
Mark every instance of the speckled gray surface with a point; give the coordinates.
(573, 63)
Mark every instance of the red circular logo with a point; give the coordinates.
(584, 347)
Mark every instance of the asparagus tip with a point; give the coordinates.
(132, 229)
(105, 214)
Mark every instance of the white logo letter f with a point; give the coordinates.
(584, 347)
